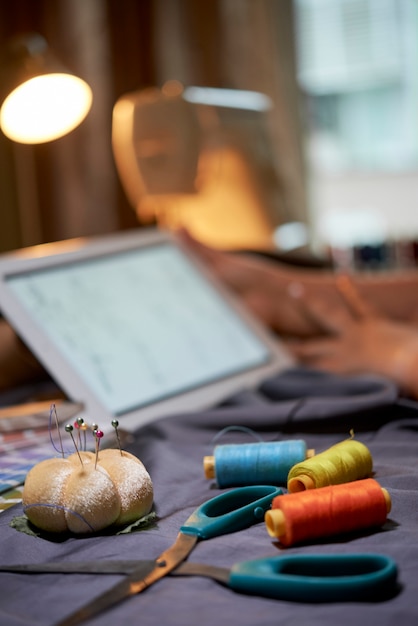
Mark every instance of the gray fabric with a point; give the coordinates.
(297, 404)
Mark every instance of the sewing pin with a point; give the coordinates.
(98, 435)
(84, 427)
(69, 429)
(53, 413)
(77, 425)
(115, 425)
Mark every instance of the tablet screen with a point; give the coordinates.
(139, 325)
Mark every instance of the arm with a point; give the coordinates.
(267, 286)
(361, 343)
(17, 365)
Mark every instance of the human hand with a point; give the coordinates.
(265, 287)
(358, 340)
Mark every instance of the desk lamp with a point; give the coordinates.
(41, 100)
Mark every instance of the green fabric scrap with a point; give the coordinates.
(22, 524)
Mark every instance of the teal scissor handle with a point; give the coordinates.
(231, 511)
(317, 578)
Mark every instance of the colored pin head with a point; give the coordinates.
(83, 428)
(77, 425)
(98, 434)
(115, 425)
(69, 429)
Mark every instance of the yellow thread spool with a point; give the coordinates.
(342, 463)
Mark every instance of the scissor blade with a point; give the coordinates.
(221, 574)
(82, 567)
(137, 581)
(117, 593)
(169, 560)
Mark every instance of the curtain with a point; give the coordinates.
(69, 187)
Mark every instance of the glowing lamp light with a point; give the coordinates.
(42, 100)
(45, 108)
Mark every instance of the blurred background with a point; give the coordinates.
(327, 163)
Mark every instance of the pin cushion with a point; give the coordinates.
(87, 492)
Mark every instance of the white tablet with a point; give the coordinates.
(133, 327)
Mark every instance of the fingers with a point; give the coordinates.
(327, 317)
(228, 267)
(413, 317)
(312, 349)
(239, 271)
(201, 250)
(358, 306)
(318, 353)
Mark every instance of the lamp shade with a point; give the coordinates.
(41, 100)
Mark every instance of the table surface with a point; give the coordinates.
(319, 408)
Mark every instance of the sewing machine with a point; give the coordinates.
(201, 158)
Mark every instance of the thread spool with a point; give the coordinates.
(342, 463)
(326, 511)
(257, 463)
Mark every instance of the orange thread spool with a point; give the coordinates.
(326, 511)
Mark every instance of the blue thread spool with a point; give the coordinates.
(266, 463)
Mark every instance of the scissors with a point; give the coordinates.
(311, 578)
